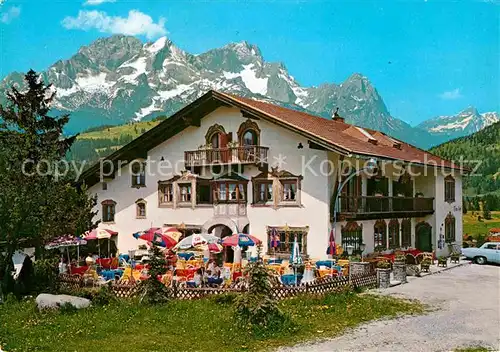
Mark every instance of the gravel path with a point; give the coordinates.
(467, 302)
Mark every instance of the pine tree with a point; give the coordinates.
(36, 202)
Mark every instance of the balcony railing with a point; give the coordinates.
(383, 204)
(236, 155)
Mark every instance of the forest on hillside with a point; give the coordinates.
(482, 147)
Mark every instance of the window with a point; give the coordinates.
(230, 192)
(185, 193)
(214, 135)
(287, 237)
(449, 228)
(491, 246)
(289, 190)
(203, 192)
(394, 234)
(263, 191)
(449, 189)
(108, 210)
(352, 234)
(138, 175)
(140, 209)
(166, 193)
(248, 133)
(406, 233)
(380, 235)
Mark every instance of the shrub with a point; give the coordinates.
(45, 275)
(154, 291)
(257, 309)
(383, 264)
(103, 296)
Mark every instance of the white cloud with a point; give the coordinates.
(451, 95)
(96, 2)
(10, 14)
(137, 23)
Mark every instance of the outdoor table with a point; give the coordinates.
(326, 272)
(327, 263)
(110, 274)
(274, 261)
(277, 268)
(289, 280)
(75, 270)
(186, 272)
(185, 256)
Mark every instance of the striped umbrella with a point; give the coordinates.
(295, 257)
(155, 236)
(240, 239)
(332, 247)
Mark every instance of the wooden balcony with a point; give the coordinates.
(376, 207)
(226, 156)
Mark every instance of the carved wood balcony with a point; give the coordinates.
(224, 156)
(376, 207)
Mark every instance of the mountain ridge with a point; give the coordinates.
(118, 79)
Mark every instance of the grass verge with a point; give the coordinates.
(474, 227)
(201, 325)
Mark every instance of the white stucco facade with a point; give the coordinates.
(288, 151)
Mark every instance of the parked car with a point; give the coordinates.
(487, 253)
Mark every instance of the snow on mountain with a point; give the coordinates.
(119, 79)
(464, 123)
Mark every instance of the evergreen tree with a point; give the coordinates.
(37, 202)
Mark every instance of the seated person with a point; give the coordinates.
(197, 278)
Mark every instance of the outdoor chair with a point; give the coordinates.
(443, 261)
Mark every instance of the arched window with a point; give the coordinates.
(352, 234)
(380, 235)
(449, 189)
(215, 136)
(406, 233)
(108, 210)
(449, 228)
(140, 205)
(394, 234)
(249, 134)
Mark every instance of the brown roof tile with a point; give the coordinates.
(329, 131)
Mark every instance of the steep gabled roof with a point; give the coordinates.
(323, 132)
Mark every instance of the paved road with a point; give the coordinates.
(467, 302)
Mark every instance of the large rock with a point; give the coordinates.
(48, 301)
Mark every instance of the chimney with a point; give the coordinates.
(337, 117)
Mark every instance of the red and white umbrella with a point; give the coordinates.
(156, 236)
(97, 234)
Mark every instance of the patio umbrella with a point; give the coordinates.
(332, 247)
(240, 239)
(97, 234)
(195, 240)
(156, 236)
(67, 241)
(172, 232)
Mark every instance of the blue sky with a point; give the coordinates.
(426, 58)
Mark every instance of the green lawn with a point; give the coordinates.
(201, 325)
(134, 130)
(474, 227)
